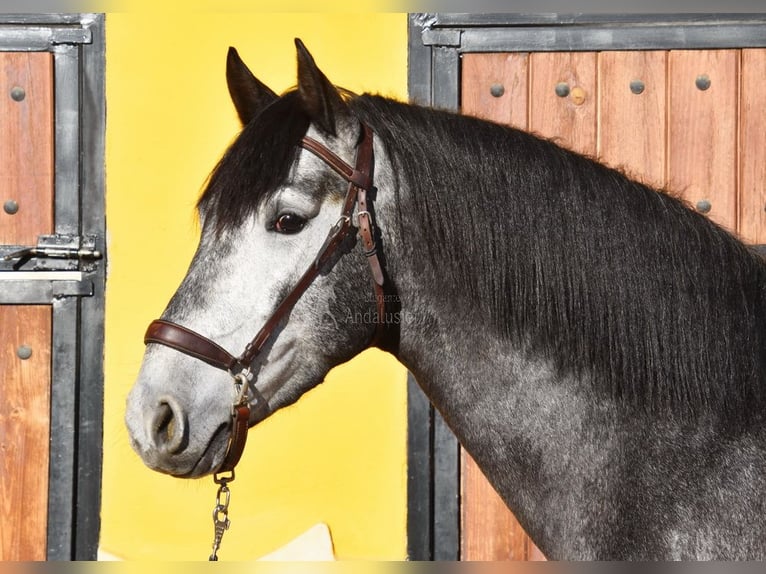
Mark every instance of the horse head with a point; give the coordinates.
(284, 199)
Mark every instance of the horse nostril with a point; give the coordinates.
(169, 427)
(164, 425)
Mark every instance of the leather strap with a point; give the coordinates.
(192, 343)
(189, 342)
(237, 440)
(331, 244)
(359, 177)
(355, 177)
(360, 184)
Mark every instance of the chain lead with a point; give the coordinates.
(221, 520)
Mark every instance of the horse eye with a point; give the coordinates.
(289, 223)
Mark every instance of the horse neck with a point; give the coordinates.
(585, 478)
(521, 423)
(569, 462)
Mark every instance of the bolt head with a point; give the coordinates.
(562, 89)
(704, 206)
(24, 352)
(702, 82)
(637, 87)
(18, 93)
(11, 207)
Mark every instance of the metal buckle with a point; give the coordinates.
(340, 225)
(359, 214)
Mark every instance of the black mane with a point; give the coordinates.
(256, 164)
(609, 278)
(604, 275)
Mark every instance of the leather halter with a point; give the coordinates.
(186, 341)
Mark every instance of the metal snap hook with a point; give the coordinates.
(221, 520)
(222, 498)
(242, 385)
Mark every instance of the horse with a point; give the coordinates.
(597, 346)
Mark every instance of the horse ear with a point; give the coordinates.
(248, 93)
(321, 100)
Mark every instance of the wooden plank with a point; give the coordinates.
(489, 531)
(571, 119)
(632, 121)
(752, 193)
(702, 140)
(26, 177)
(496, 87)
(26, 146)
(24, 431)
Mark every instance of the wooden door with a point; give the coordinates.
(693, 121)
(26, 203)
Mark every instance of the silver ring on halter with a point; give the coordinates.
(242, 385)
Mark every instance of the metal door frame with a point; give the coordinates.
(75, 291)
(436, 42)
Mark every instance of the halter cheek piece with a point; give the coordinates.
(186, 341)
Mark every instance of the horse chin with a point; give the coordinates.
(205, 463)
(211, 457)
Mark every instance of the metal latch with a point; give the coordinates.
(71, 247)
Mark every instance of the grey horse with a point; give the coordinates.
(596, 346)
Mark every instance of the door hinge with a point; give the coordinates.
(56, 252)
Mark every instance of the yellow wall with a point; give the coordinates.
(339, 455)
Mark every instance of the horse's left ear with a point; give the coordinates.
(248, 93)
(321, 100)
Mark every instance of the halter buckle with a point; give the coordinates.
(342, 223)
(361, 213)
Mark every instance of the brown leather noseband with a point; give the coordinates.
(359, 178)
